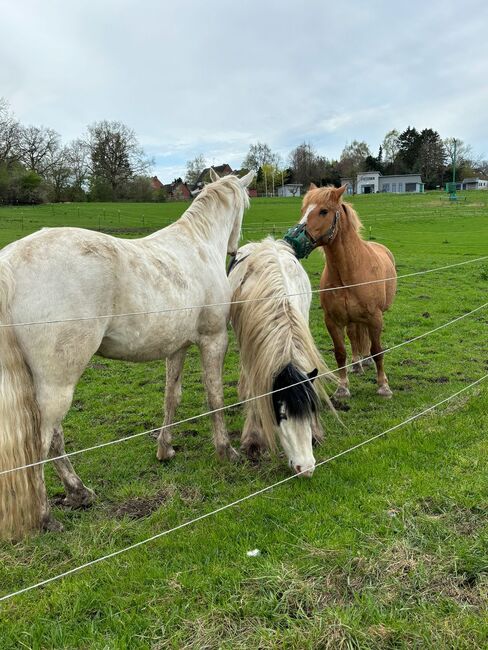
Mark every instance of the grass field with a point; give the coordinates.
(386, 547)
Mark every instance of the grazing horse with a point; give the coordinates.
(350, 260)
(276, 352)
(102, 295)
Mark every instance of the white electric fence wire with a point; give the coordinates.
(235, 404)
(237, 501)
(240, 302)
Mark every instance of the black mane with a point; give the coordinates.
(301, 401)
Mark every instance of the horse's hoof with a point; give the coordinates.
(342, 393)
(165, 453)
(252, 451)
(368, 362)
(384, 391)
(80, 498)
(51, 525)
(227, 452)
(356, 368)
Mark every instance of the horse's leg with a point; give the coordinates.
(251, 441)
(213, 349)
(54, 402)
(337, 334)
(375, 327)
(172, 398)
(354, 334)
(77, 494)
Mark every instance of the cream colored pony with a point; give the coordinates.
(81, 280)
(277, 352)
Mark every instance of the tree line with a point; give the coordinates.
(105, 164)
(410, 151)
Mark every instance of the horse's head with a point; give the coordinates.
(321, 213)
(239, 185)
(295, 406)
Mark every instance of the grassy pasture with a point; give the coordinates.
(386, 547)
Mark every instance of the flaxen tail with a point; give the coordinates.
(20, 498)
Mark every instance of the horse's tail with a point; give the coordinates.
(363, 340)
(20, 498)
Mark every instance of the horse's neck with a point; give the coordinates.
(344, 257)
(212, 228)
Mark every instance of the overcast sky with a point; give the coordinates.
(212, 77)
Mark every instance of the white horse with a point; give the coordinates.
(277, 351)
(81, 280)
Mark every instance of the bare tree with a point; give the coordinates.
(77, 154)
(58, 175)
(115, 155)
(260, 154)
(463, 151)
(9, 133)
(194, 168)
(37, 147)
(352, 159)
(306, 165)
(390, 146)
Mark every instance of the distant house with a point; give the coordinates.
(474, 184)
(373, 182)
(204, 176)
(177, 191)
(290, 189)
(156, 183)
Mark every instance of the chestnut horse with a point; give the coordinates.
(335, 226)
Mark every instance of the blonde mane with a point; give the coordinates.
(200, 216)
(271, 332)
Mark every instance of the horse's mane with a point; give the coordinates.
(272, 336)
(352, 217)
(200, 216)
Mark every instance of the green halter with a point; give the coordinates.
(299, 240)
(302, 241)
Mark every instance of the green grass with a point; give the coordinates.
(386, 547)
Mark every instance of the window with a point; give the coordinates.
(400, 187)
(393, 187)
(386, 187)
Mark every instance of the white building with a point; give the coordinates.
(373, 182)
(474, 184)
(290, 189)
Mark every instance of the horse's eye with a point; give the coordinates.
(323, 213)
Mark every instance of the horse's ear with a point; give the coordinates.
(246, 180)
(339, 191)
(312, 187)
(213, 175)
(312, 374)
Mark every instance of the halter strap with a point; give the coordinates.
(328, 234)
(234, 262)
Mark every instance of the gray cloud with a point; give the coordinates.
(192, 77)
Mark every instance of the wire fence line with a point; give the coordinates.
(236, 502)
(240, 403)
(239, 302)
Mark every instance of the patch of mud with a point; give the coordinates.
(140, 507)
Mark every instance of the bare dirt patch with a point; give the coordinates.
(140, 507)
